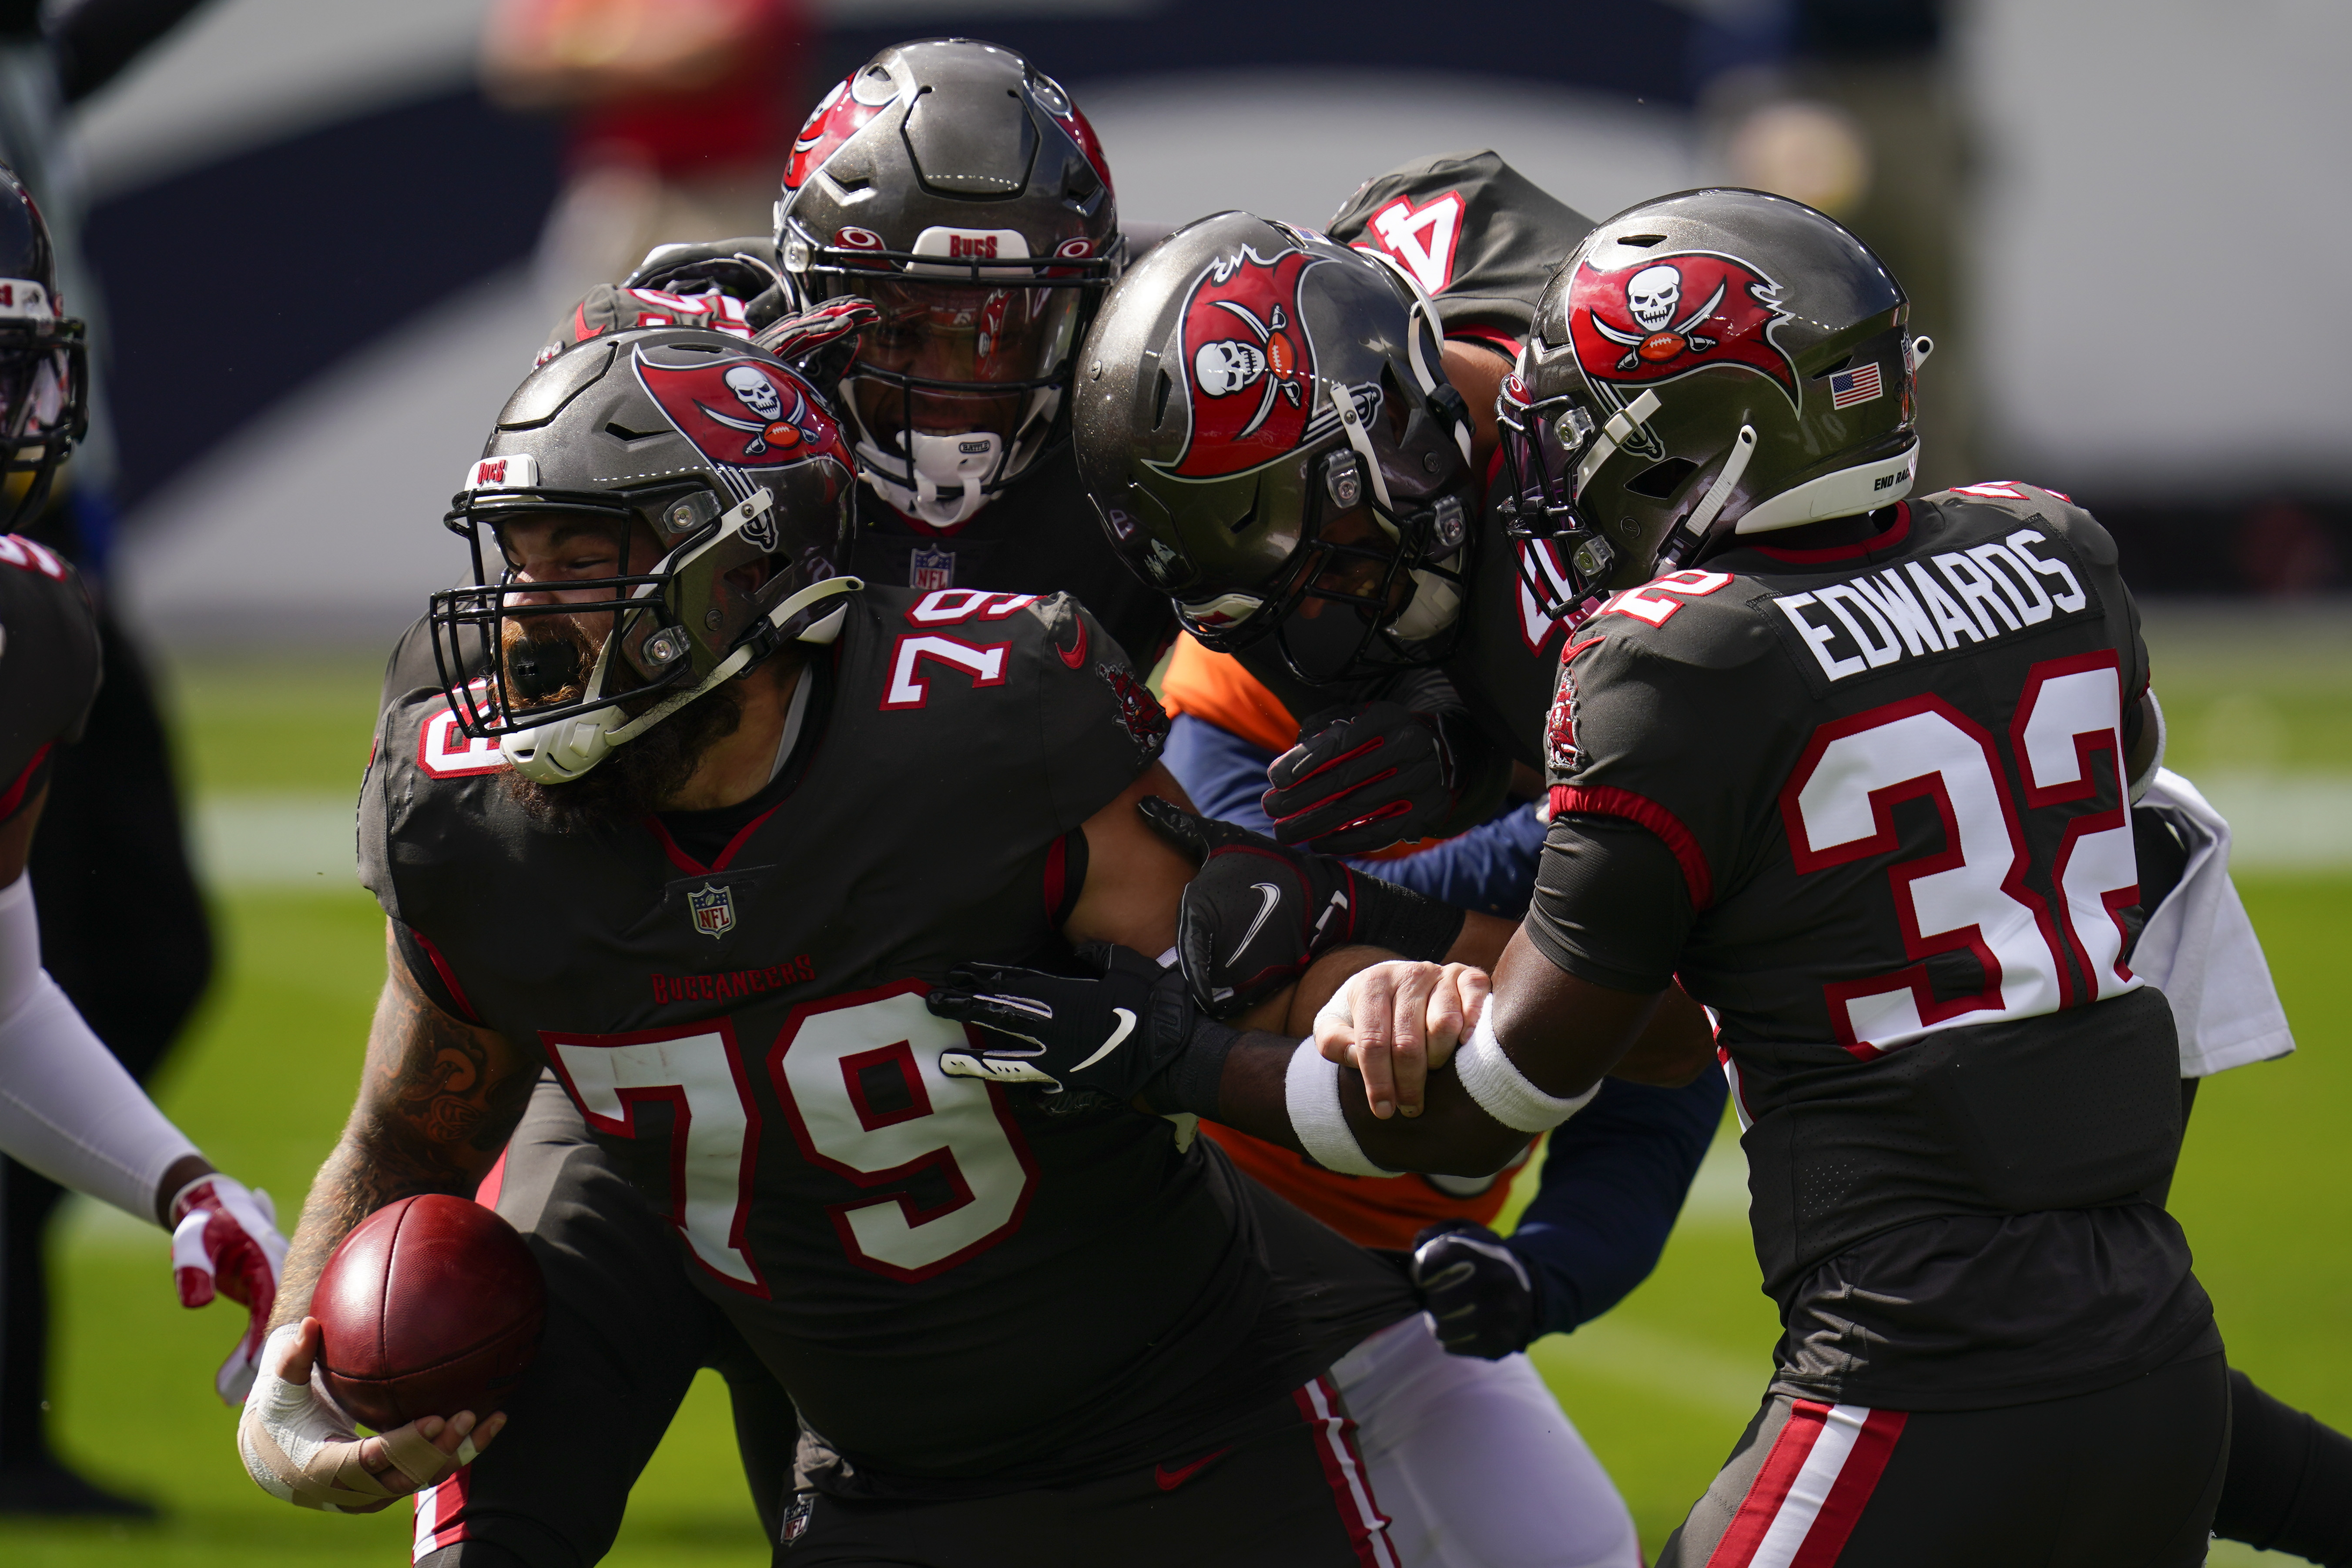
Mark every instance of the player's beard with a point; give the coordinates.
(638, 778)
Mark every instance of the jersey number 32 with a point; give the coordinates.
(1972, 895)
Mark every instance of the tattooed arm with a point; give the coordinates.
(438, 1099)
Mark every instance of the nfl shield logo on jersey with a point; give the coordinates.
(713, 909)
(932, 569)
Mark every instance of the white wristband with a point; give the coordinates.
(1311, 1091)
(1502, 1091)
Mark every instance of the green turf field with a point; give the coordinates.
(1661, 1386)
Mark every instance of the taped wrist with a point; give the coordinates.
(1494, 1082)
(1190, 1082)
(1310, 1092)
(1407, 924)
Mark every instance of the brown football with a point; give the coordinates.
(432, 1306)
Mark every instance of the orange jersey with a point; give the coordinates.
(1371, 1211)
(1215, 688)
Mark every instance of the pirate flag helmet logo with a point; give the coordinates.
(743, 413)
(1667, 317)
(1248, 364)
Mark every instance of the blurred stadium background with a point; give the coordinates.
(327, 252)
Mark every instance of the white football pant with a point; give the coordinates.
(1436, 1428)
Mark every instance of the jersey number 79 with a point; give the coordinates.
(859, 1081)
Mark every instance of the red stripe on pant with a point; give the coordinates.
(440, 1510)
(1811, 1488)
(1856, 1480)
(1343, 1468)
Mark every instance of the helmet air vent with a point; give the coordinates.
(1160, 399)
(971, 143)
(1660, 480)
(1641, 242)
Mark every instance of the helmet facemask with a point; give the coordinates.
(44, 378)
(958, 387)
(961, 192)
(564, 680)
(1378, 579)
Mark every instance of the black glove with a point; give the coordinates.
(1361, 778)
(1259, 913)
(745, 268)
(1471, 1282)
(1256, 915)
(1112, 1035)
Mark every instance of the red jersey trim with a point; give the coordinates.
(1645, 812)
(692, 867)
(1894, 534)
(449, 977)
(1487, 337)
(14, 798)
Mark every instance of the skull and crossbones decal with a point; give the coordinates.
(1229, 365)
(1652, 297)
(758, 395)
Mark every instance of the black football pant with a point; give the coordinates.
(1287, 1492)
(627, 1332)
(2125, 1478)
(123, 933)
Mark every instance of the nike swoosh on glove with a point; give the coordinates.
(224, 1241)
(1256, 914)
(1111, 1034)
(1476, 1288)
(1361, 778)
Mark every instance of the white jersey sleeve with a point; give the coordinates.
(67, 1109)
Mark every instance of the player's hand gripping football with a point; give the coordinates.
(1361, 778)
(1256, 915)
(224, 1241)
(300, 1448)
(1111, 1034)
(1475, 1289)
(1398, 1022)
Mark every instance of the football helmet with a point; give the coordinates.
(1264, 426)
(962, 193)
(1708, 363)
(700, 451)
(44, 364)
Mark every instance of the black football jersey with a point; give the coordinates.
(1479, 235)
(1883, 783)
(1484, 240)
(1040, 535)
(954, 1281)
(48, 665)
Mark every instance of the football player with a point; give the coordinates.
(1858, 772)
(1033, 536)
(2280, 1499)
(1485, 239)
(684, 843)
(961, 192)
(67, 1109)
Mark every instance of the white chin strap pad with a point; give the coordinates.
(559, 752)
(962, 461)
